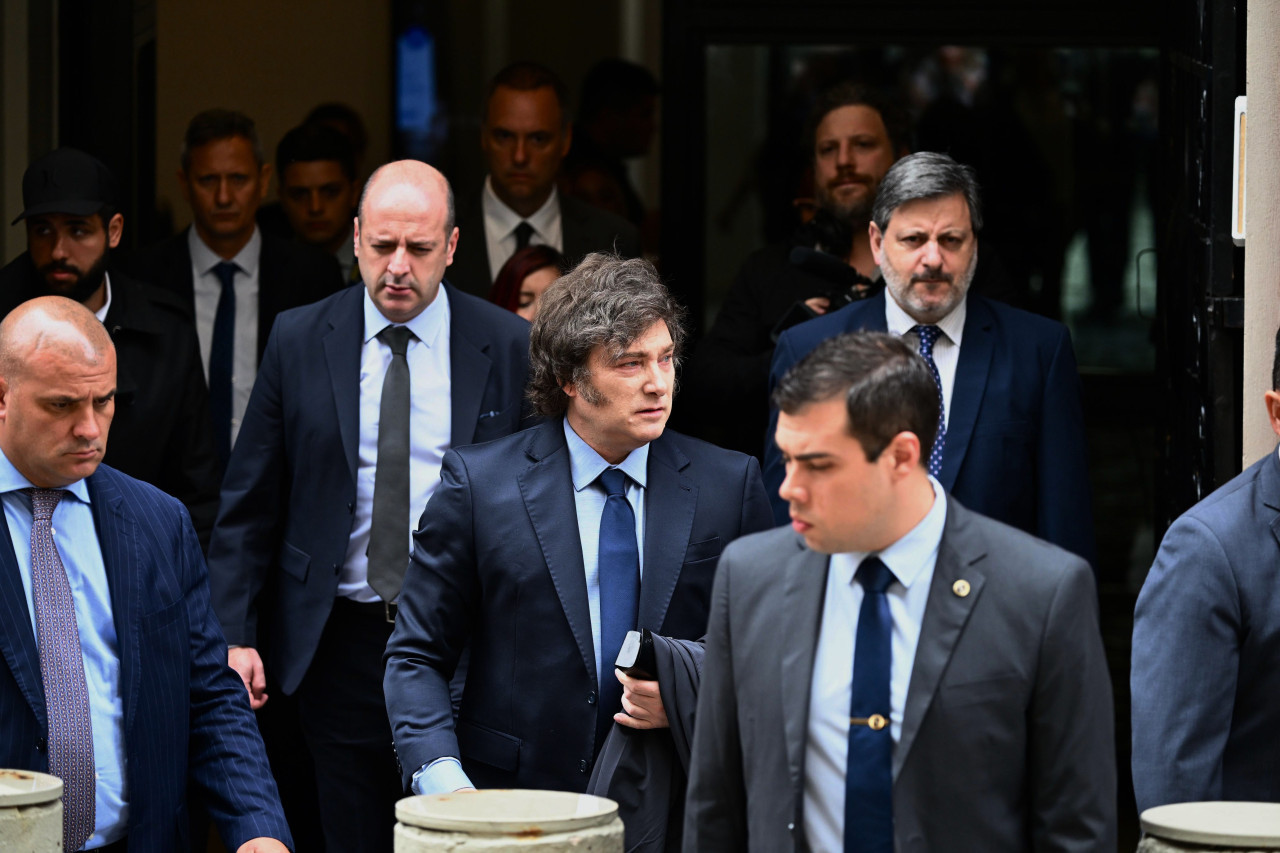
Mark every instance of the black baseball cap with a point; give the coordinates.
(66, 181)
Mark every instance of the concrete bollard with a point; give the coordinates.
(30, 812)
(1214, 826)
(508, 821)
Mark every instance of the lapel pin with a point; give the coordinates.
(960, 587)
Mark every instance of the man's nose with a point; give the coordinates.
(222, 196)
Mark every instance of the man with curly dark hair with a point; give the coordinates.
(542, 549)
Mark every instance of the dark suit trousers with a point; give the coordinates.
(344, 720)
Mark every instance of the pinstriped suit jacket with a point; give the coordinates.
(186, 715)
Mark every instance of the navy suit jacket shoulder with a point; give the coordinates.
(186, 714)
(1206, 650)
(289, 494)
(497, 563)
(1015, 443)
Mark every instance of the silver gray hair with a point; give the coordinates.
(926, 175)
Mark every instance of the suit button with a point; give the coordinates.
(591, 698)
(584, 766)
(351, 506)
(337, 568)
(41, 744)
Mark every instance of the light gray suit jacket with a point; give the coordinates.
(1007, 738)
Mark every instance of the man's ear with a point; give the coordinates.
(115, 229)
(877, 243)
(1272, 402)
(904, 453)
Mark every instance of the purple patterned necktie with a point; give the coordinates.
(66, 696)
(928, 337)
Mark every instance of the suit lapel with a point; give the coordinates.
(670, 501)
(547, 490)
(342, 344)
(118, 541)
(1269, 490)
(17, 640)
(805, 587)
(867, 316)
(469, 366)
(269, 292)
(971, 381)
(945, 616)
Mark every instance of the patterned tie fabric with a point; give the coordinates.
(928, 337)
(868, 798)
(523, 232)
(222, 360)
(619, 563)
(66, 696)
(388, 550)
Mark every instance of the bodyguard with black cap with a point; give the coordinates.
(161, 431)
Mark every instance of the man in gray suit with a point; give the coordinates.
(524, 136)
(894, 671)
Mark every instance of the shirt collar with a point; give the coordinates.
(425, 327)
(507, 219)
(205, 259)
(585, 464)
(11, 480)
(101, 313)
(899, 322)
(909, 556)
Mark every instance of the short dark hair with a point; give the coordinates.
(897, 125)
(213, 125)
(308, 143)
(450, 209)
(926, 175)
(343, 119)
(886, 385)
(525, 76)
(530, 259)
(1275, 365)
(614, 83)
(604, 301)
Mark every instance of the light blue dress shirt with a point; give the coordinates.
(76, 538)
(585, 465)
(912, 559)
(430, 419)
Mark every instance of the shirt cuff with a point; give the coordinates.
(442, 776)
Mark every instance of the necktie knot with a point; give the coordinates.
(396, 337)
(874, 575)
(614, 481)
(524, 233)
(226, 273)
(928, 337)
(43, 502)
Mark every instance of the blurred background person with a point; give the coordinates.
(524, 277)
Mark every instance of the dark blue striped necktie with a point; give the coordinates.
(868, 797)
(928, 337)
(222, 360)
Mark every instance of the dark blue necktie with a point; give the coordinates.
(868, 795)
(619, 565)
(928, 337)
(222, 358)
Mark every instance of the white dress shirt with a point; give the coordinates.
(430, 411)
(912, 560)
(101, 313)
(946, 349)
(208, 290)
(500, 224)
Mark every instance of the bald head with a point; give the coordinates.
(406, 176)
(57, 390)
(54, 325)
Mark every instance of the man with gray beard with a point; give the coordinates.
(1011, 433)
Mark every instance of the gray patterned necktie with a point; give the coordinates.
(66, 696)
(388, 550)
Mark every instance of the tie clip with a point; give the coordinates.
(875, 722)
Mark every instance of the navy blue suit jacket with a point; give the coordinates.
(497, 561)
(186, 714)
(1206, 651)
(288, 499)
(1015, 447)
